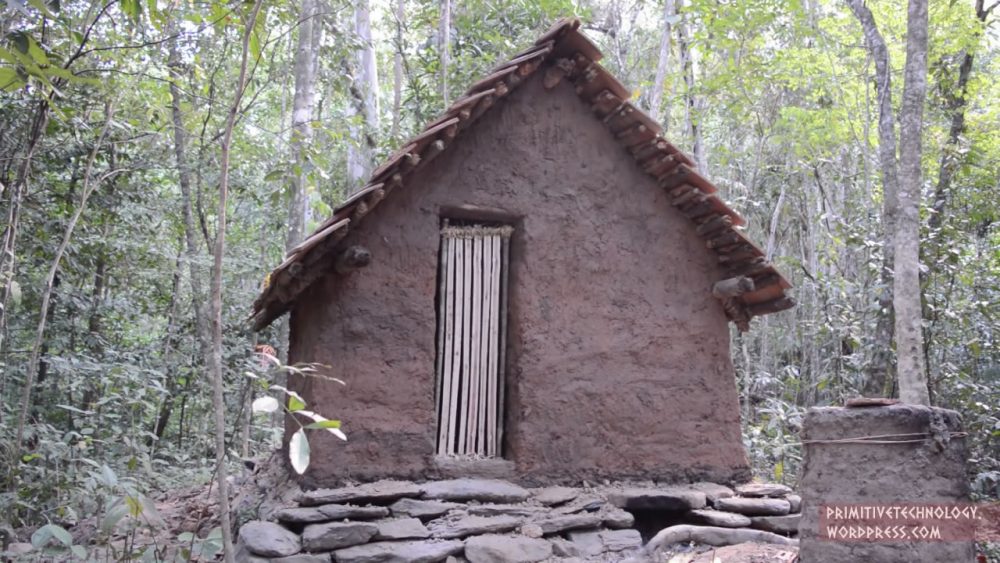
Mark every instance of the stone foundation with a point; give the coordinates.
(488, 520)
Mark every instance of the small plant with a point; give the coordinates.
(298, 445)
(52, 540)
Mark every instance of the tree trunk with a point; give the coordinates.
(215, 367)
(397, 69)
(192, 253)
(662, 65)
(879, 376)
(906, 282)
(444, 47)
(169, 353)
(306, 59)
(692, 107)
(364, 91)
(8, 248)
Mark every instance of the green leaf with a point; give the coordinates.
(36, 53)
(319, 419)
(150, 513)
(74, 409)
(295, 403)
(324, 424)
(79, 551)
(132, 9)
(43, 535)
(298, 451)
(133, 505)
(273, 175)
(43, 7)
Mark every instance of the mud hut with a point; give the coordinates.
(535, 287)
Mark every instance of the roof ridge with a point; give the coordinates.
(567, 55)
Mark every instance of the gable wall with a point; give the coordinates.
(618, 356)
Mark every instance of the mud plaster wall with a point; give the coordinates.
(618, 356)
(873, 474)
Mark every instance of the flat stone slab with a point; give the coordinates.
(585, 544)
(244, 556)
(796, 503)
(482, 490)
(505, 509)
(763, 490)
(587, 503)
(660, 498)
(401, 529)
(268, 539)
(328, 512)
(718, 518)
(597, 542)
(787, 525)
(506, 549)
(557, 524)
(334, 535)
(422, 509)
(419, 551)
(380, 492)
(713, 491)
(617, 519)
(754, 506)
(474, 525)
(303, 558)
(564, 548)
(552, 496)
(620, 540)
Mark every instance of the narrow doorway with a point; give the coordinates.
(471, 335)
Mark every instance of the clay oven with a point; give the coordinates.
(535, 287)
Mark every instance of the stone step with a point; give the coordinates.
(419, 551)
(482, 490)
(328, 512)
(787, 525)
(754, 506)
(660, 498)
(763, 490)
(473, 525)
(334, 535)
(494, 548)
(718, 518)
(380, 492)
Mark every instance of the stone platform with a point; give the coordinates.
(492, 521)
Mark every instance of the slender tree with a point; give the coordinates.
(662, 66)
(906, 278)
(444, 47)
(397, 69)
(364, 92)
(215, 364)
(306, 64)
(879, 373)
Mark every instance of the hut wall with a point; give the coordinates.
(618, 358)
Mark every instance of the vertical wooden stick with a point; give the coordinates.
(456, 357)
(466, 348)
(448, 307)
(474, 343)
(494, 321)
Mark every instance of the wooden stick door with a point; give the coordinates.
(471, 339)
